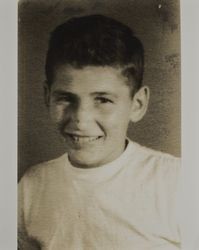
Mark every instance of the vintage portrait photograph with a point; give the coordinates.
(99, 124)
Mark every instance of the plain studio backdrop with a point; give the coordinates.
(155, 22)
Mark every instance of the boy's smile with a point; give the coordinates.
(91, 107)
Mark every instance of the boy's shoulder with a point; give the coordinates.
(156, 168)
(43, 169)
(146, 151)
(154, 158)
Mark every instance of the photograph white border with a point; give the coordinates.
(8, 124)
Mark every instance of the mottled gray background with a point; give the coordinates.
(155, 22)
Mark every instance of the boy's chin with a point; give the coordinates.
(81, 160)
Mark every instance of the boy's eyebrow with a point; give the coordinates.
(62, 92)
(101, 93)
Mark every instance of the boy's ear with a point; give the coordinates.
(140, 104)
(46, 94)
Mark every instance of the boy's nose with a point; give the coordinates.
(81, 115)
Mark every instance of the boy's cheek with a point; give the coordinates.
(56, 113)
(117, 119)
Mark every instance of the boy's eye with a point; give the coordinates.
(63, 99)
(103, 100)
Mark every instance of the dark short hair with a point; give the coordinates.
(96, 40)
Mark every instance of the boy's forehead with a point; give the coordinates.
(65, 74)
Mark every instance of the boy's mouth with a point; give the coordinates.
(83, 139)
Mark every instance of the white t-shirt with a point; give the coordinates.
(128, 204)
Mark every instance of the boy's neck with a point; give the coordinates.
(89, 166)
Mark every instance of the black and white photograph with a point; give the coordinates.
(99, 125)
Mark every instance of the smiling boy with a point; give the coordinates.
(106, 192)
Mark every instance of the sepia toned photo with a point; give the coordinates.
(99, 126)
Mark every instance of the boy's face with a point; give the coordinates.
(91, 108)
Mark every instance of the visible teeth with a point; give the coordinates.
(83, 139)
